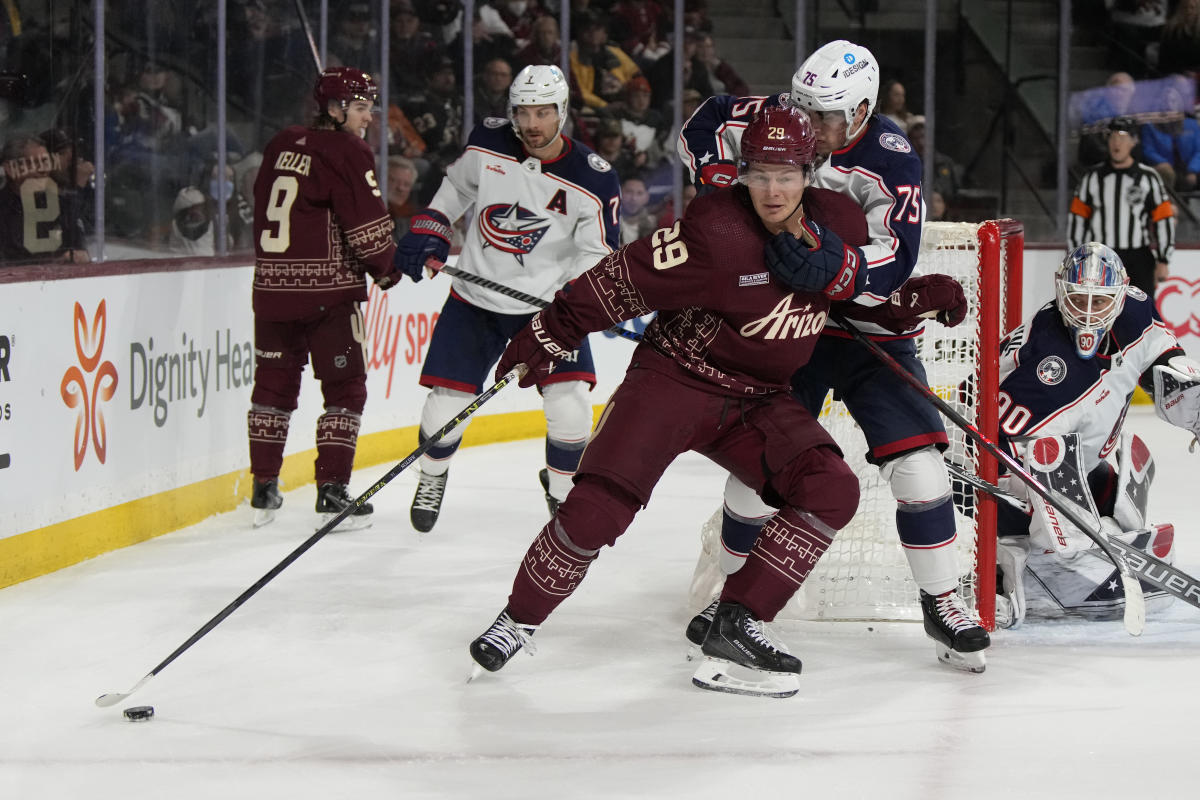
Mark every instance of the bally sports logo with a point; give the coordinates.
(89, 383)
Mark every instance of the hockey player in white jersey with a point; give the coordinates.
(867, 158)
(545, 208)
(1067, 376)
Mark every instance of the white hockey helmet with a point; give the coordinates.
(1090, 289)
(539, 85)
(839, 76)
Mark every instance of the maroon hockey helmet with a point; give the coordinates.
(343, 85)
(779, 135)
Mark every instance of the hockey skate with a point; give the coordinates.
(332, 498)
(265, 501)
(741, 658)
(551, 502)
(499, 643)
(427, 502)
(697, 629)
(959, 638)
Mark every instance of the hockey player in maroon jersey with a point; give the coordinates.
(711, 376)
(319, 224)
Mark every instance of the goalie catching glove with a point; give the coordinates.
(536, 346)
(820, 262)
(1177, 393)
(922, 297)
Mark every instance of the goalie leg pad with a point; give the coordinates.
(1134, 477)
(1055, 462)
(925, 517)
(442, 405)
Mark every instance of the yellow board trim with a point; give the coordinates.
(44, 550)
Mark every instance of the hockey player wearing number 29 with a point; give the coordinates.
(545, 209)
(1067, 376)
(868, 159)
(711, 376)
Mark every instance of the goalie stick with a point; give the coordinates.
(1145, 566)
(435, 266)
(112, 698)
(1135, 603)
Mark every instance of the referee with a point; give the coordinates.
(1124, 204)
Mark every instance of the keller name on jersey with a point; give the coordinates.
(294, 162)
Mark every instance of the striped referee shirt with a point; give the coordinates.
(1126, 209)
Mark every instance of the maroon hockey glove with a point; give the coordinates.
(535, 347)
(922, 297)
(386, 282)
(715, 175)
(820, 262)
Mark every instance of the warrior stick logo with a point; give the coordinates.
(512, 229)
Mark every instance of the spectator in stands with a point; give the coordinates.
(667, 217)
(192, 229)
(491, 36)
(491, 90)
(721, 76)
(695, 16)
(893, 104)
(695, 76)
(947, 173)
(639, 28)
(636, 218)
(1172, 147)
(354, 39)
(612, 147)
(1137, 26)
(646, 128)
(1179, 47)
(437, 115)
(268, 55)
(37, 224)
(71, 172)
(412, 50)
(599, 70)
(545, 46)
(936, 206)
(401, 203)
(519, 16)
(245, 171)
(1115, 101)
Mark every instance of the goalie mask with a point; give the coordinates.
(1090, 290)
(839, 76)
(539, 85)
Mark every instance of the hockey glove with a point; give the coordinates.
(386, 282)
(1177, 393)
(536, 347)
(715, 175)
(820, 262)
(922, 297)
(428, 235)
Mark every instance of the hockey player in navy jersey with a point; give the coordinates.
(1067, 376)
(711, 376)
(545, 208)
(868, 159)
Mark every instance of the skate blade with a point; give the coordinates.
(264, 516)
(350, 523)
(476, 671)
(968, 662)
(693, 653)
(716, 675)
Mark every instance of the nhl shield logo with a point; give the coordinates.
(512, 229)
(1052, 370)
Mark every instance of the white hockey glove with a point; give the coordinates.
(1177, 393)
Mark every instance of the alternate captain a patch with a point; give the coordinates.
(512, 229)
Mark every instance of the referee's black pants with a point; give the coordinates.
(1140, 265)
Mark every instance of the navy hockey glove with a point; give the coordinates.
(922, 297)
(715, 175)
(428, 235)
(820, 262)
(535, 347)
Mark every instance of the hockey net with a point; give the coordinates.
(864, 575)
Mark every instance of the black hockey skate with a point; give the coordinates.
(427, 502)
(332, 498)
(551, 502)
(960, 639)
(697, 629)
(741, 658)
(500, 642)
(265, 500)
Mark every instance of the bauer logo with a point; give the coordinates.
(89, 384)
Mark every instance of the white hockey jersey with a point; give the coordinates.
(1048, 390)
(536, 224)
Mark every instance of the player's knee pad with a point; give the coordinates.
(820, 482)
(596, 512)
(349, 394)
(918, 477)
(441, 406)
(276, 387)
(568, 412)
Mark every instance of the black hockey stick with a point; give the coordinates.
(106, 700)
(1153, 571)
(1135, 603)
(308, 34)
(434, 266)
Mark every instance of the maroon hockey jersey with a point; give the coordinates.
(319, 223)
(722, 317)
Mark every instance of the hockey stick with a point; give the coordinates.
(1135, 603)
(308, 34)
(106, 700)
(435, 266)
(1153, 571)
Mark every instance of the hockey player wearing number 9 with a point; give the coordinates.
(868, 159)
(711, 376)
(545, 208)
(1067, 376)
(319, 224)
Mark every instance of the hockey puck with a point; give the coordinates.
(139, 713)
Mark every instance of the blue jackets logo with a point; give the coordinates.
(511, 229)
